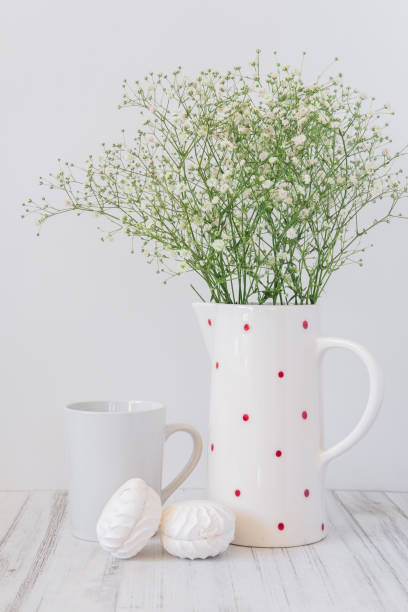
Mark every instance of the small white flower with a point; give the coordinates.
(299, 140)
(218, 245)
(68, 203)
(263, 155)
(306, 179)
(291, 233)
(330, 180)
(370, 166)
(215, 200)
(153, 109)
(246, 193)
(150, 138)
(385, 152)
(377, 188)
(272, 160)
(340, 180)
(304, 213)
(224, 188)
(267, 184)
(149, 223)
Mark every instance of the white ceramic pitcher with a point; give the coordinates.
(266, 460)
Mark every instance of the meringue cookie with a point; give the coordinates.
(129, 519)
(196, 529)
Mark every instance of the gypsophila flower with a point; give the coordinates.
(218, 245)
(299, 140)
(260, 185)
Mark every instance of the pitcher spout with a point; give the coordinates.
(205, 313)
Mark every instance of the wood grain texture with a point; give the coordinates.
(361, 566)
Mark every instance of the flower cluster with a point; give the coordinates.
(260, 184)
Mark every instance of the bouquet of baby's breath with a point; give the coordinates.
(261, 185)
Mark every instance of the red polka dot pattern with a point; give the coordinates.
(245, 417)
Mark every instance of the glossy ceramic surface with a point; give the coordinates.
(110, 442)
(266, 458)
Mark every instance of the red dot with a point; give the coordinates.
(278, 453)
(245, 417)
(281, 526)
(217, 365)
(209, 322)
(304, 414)
(281, 374)
(237, 492)
(306, 492)
(246, 327)
(305, 324)
(322, 526)
(212, 447)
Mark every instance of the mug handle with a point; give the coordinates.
(191, 463)
(375, 395)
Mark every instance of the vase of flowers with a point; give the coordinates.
(263, 186)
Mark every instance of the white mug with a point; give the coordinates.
(109, 442)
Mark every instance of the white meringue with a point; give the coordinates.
(196, 529)
(129, 519)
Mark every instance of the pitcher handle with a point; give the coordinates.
(191, 463)
(375, 395)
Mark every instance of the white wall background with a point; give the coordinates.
(81, 319)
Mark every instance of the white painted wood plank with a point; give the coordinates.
(400, 500)
(385, 527)
(12, 505)
(79, 576)
(26, 549)
(354, 519)
(359, 567)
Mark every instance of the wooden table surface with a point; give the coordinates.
(361, 565)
